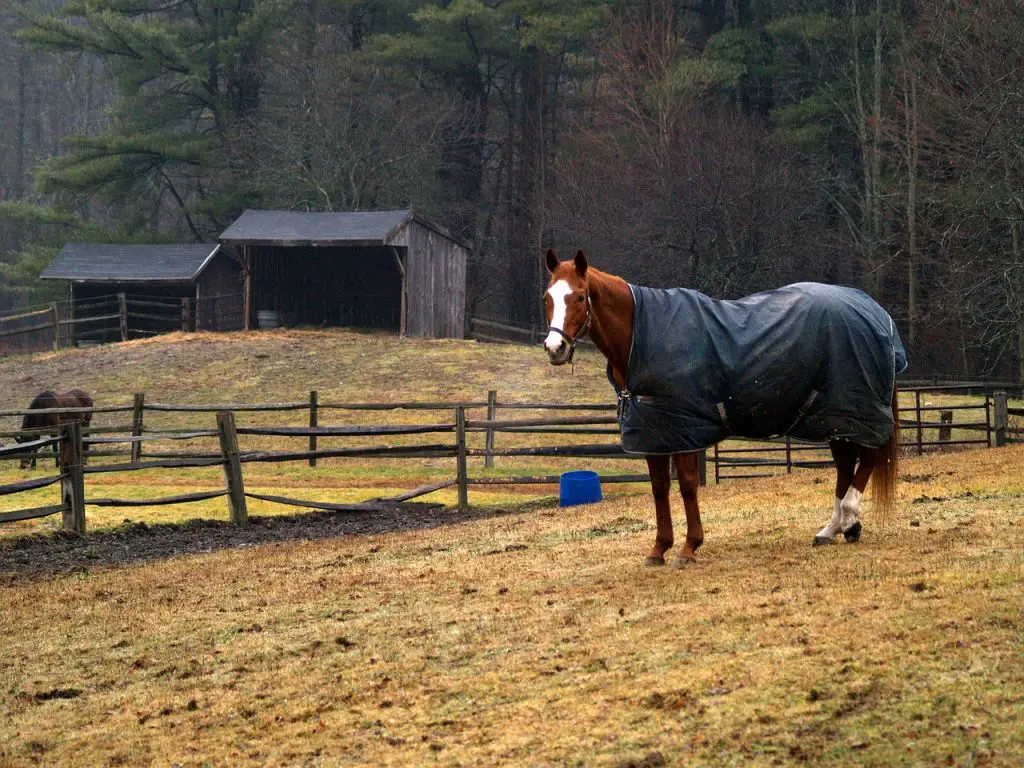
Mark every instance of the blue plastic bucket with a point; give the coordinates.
(579, 487)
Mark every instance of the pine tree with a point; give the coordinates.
(185, 71)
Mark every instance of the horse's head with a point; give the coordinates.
(26, 461)
(567, 306)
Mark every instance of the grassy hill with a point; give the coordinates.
(284, 366)
(518, 634)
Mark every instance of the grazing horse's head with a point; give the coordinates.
(566, 305)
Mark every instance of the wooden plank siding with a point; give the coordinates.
(218, 295)
(436, 275)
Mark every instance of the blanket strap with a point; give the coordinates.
(803, 411)
(624, 396)
(722, 414)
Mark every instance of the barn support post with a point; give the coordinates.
(138, 407)
(232, 467)
(56, 325)
(186, 314)
(492, 412)
(247, 299)
(312, 423)
(402, 298)
(460, 449)
(122, 313)
(72, 482)
(1002, 418)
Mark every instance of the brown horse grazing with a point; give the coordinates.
(50, 423)
(814, 361)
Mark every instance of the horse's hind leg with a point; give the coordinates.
(845, 456)
(661, 486)
(850, 505)
(689, 481)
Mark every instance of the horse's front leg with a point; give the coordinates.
(661, 486)
(688, 470)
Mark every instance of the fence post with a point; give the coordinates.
(946, 433)
(492, 411)
(232, 467)
(1002, 418)
(312, 423)
(988, 419)
(789, 455)
(718, 467)
(186, 314)
(72, 482)
(917, 415)
(138, 407)
(122, 311)
(460, 447)
(56, 325)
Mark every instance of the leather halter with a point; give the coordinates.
(583, 329)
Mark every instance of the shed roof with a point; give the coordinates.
(299, 228)
(106, 262)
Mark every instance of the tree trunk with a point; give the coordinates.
(523, 235)
(912, 156)
(20, 150)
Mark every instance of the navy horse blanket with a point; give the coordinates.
(817, 362)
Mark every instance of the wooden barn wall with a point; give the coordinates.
(436, 283)
(220, 304)
(449, 260)
(419, 281)
(357, 287)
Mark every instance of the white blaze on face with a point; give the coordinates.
(559, 293)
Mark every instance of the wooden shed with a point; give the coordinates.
(374, 269)
(197, 282)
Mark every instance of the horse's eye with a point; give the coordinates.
(580, 297)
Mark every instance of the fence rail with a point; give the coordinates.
(116, 317)
(733, 460)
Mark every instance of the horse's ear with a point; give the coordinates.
(581, 263)
(550, 260)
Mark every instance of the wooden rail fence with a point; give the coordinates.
(730, 461)
(117, 317)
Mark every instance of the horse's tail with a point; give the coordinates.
(883, 479)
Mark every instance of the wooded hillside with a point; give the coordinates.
(727, 146)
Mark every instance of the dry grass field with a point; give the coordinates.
(521, 634)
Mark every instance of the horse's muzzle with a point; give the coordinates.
(561, 355)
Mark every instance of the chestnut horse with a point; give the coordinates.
(582, 300)
(50, 423)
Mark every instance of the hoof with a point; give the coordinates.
(852, 534)
(821, 541)
(682, 562)
(653, 562)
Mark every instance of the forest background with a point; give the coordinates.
(729, 146)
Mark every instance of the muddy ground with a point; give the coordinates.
(43, 556)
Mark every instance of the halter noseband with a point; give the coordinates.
(579, 334)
